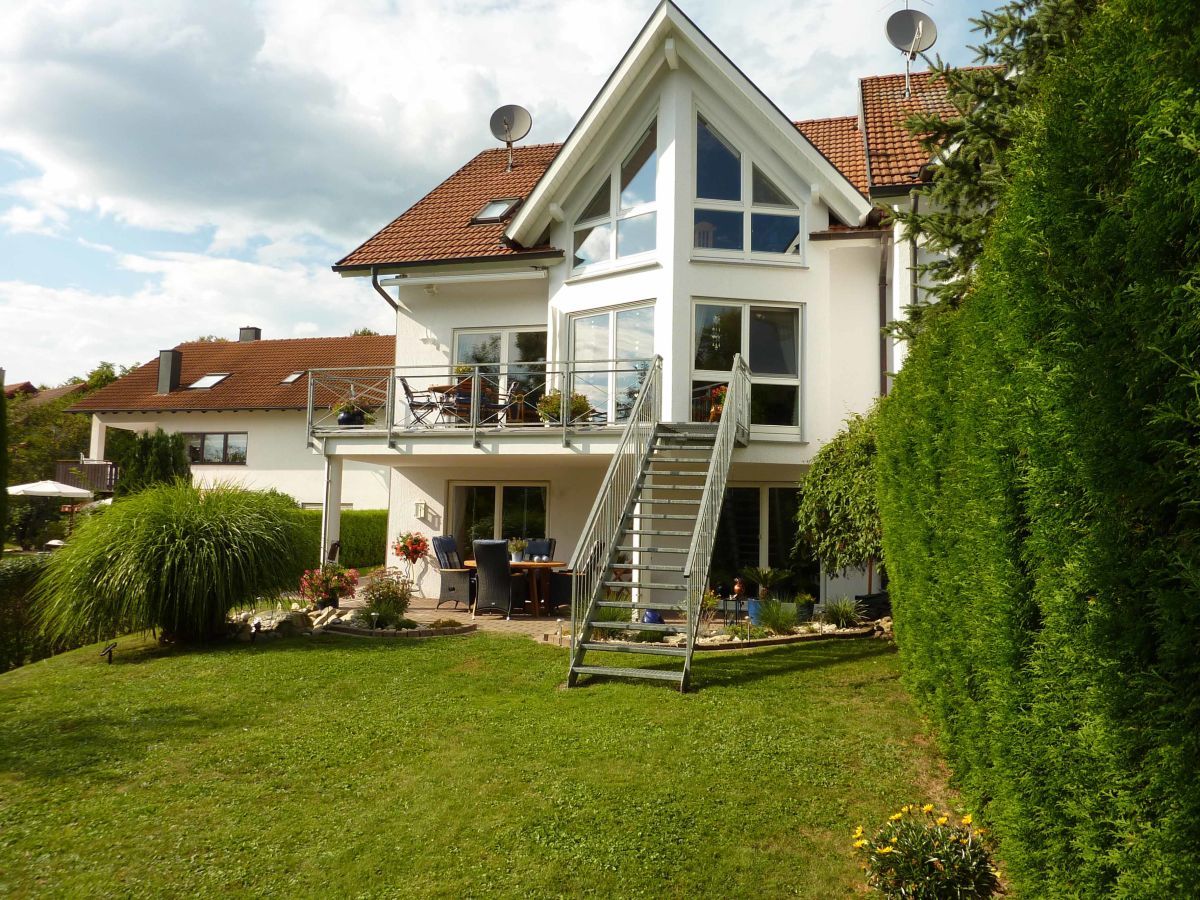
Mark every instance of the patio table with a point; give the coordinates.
(539, 578)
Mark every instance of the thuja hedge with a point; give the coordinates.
(364, 537)
(1040, 481)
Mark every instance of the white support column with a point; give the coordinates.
(99, 434)
(331, 510)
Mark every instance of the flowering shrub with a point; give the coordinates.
(920, 855)
(387, 595)
(328, 584)
(412, 546)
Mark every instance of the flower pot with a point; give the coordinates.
(754, 611)
(357, 417)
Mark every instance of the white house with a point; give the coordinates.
(688, 235)
(243, 408)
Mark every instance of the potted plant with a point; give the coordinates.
(412, 547)
(351, 413)
(549, 406)
(327, 585)
(716, 402)
(516, 548)
(766, 578)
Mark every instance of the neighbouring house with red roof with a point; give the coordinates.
(242, 405)
(635, 341)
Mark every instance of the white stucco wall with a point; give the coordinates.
(276, 455)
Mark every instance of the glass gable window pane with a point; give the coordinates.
(774, 404)
(590, 342)
(638, 171)
(214, 448)
(718, 336)
(766, 194)
(235, 448)
(599, 206)
(774, 340)
(774, 234)
(635, 333)
(636, 234)
(718, 165)
(593, 244)
(523, 512)
(718, 229)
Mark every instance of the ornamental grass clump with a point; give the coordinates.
(173, 558)
(843, 612)
(776, 617)
(922, 855)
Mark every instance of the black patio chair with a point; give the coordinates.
(498, 588)
(540, 547)
(456, 578)
(422, 404)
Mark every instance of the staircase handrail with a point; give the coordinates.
(734, 423)
(594, 550)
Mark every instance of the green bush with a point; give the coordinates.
(844, 612)
(387, 595)
(922, 855)
(1039, 473)
(777, 617)
(173, 558)
(20, 640)
(363, 538)
(155, 458)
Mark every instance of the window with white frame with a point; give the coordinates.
(739, 210)
(610, 349)
(216, 448)
(621, 218)
(493, 511)
(768, 337)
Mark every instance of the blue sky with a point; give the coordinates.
(185, 167)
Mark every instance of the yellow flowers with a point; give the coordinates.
(858, 832)
(927, 808)
(860, 843)
(904, 810)
(942, 820)
(895, 817)
(888, 849)
(966, 820)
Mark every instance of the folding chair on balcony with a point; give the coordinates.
(422, 405)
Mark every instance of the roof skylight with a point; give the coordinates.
(495, 210)
(212, 379)
(295, 376)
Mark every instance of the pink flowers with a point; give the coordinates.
(328, 584)
(412, 546)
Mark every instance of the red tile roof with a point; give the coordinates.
(255, 369)
(840, 142)
(438, 226)
(895, 156)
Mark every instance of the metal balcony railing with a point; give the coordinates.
(476, 399)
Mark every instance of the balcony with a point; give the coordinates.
(474, 402)
(96, 475)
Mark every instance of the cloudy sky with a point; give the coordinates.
(185, 167)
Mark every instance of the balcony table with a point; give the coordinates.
(539, 578)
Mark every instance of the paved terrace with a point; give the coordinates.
(544, 629)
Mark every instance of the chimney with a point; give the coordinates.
(169, 364)
(249, 333)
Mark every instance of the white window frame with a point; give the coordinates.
(715, 375)
(745, 206)
(498, 507)
(615, 213)
(611, 312)
(504, 331)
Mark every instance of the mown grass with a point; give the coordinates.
(448, 768)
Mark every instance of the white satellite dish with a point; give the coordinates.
(510, 123)
(911, 32)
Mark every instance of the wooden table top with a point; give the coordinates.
(527, 564)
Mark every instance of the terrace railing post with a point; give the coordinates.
(312, 376)
(475, 387)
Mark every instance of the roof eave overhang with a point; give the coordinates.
(387, 268)
(188, 409)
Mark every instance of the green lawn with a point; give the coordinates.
(448, 768)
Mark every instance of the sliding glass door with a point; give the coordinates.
(494, 511)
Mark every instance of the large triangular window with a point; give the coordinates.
(621, 218)
(724, 221)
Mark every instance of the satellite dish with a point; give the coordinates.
(911, 31)
(510, 123)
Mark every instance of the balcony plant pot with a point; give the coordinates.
(352, 417)
(754, 611)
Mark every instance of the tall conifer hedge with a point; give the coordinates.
(1040, 480)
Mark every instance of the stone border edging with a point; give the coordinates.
(403, 633)
(788, 639)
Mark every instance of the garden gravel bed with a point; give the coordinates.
(734, 644)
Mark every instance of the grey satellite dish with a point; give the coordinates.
(509, 124)
(911, 31)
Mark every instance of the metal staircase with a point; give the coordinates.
(649, 539)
